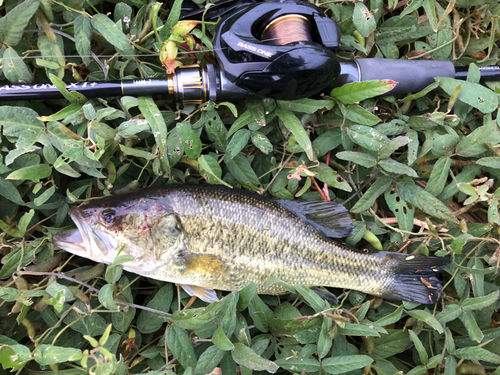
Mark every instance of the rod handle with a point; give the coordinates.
(412, 75)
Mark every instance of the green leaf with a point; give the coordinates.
(9, 191)
(208, 360)
(106, 297)
(392, 166)
(21, 123)
(179, 343)
(153, 116)
(221, 341)
(211, 169)
(422, 353)
(478, 354)
(112, 34)
(298, 364)
(244, 119)
(397, 341)
(73, 97)
(325, 341)
(451, 312)
(293, 124)
(102, 130)
(418, 370)
(361, 116)
(357, 91)
(150, 322)
(327, 141)
(260, 313)
(351, 329)
(14, 356)
(83, 35)
(365, 160)
(424, 201)
(172, 19)
(430, 12)
(470, 323)
(403, 211)
(45, 196)
(367, 137)
(246, 295)
(473, 94)
(52, 54)
(490, 161)
(137, 152)
(242, 171)
(363, 20)
(14, 68)
(479, 303)
(47, 354)
(388, 149)
(390, 318)
(343, 364)
(428, 318)
(197, 318)
(291, 326)
(305, 105)
(215, 129)
(237, 143)
(190, 141)
(63, 113)
(370, 196)
(262, 142)
(12, 25)
(246, 357)
(439, 175)
(34, 173)
(327, 175)
(459, 242)
(311, 298)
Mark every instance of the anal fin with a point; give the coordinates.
(205, 294)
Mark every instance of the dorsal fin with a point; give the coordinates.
(328, 217)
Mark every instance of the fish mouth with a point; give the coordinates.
(86, 241)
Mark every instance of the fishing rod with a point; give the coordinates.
(274, 49)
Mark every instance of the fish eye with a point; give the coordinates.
(107, 217)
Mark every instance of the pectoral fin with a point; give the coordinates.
(205, 294)
(205, 264)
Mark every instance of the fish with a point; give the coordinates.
(212, 237)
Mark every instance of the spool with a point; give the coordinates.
(287, 29)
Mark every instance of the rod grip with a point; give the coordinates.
(411, 75)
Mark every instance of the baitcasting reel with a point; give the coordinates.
(280, 50)
(275, 49)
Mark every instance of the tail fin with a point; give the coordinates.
(414, 277)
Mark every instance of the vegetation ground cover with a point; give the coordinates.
(419, 174)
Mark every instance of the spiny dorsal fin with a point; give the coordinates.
(328, 217)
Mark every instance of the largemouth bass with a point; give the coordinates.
(212, 237)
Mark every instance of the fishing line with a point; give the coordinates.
(287, 29)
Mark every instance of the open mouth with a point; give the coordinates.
(86, 241)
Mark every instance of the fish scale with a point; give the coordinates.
(212, 237)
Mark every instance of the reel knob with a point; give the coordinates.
(278, 49)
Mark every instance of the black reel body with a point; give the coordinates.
(278, 49)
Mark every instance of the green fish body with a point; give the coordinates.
(213, 237)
